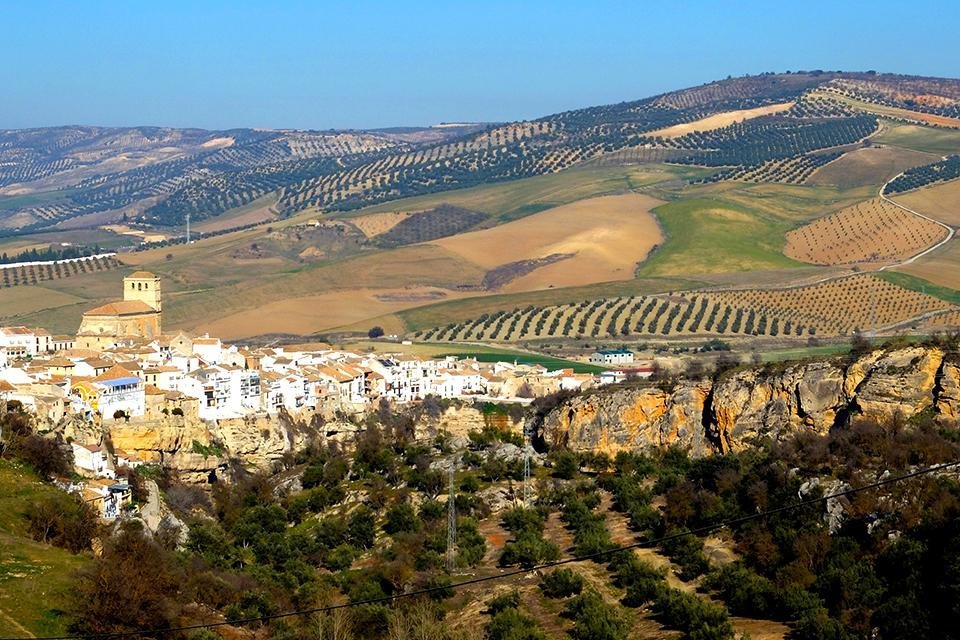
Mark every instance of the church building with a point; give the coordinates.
(136, 316)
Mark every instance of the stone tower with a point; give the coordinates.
(143, 286)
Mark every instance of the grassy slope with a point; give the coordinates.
(32, 199)
(707, 235)
(34, 578)
(512, 200)
(939, 141)
(914, 283)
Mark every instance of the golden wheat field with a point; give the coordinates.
(940, 267)
(871, 231)
(940, 202)
(719, 120)
(373, 224)
(305, 315)
(605, 238)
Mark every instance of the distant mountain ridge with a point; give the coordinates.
(77, 175)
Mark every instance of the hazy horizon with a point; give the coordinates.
(373, 65)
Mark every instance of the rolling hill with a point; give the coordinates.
(745, 184)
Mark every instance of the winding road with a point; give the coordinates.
(951, 232)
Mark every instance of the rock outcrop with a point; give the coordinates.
(727, 413)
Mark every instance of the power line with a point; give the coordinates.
(515, 572)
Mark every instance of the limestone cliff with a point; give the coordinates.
(196, 448)
(727, 412)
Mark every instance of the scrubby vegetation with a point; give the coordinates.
(364, 524)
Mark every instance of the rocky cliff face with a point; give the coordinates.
(197, 449)
(711, 415)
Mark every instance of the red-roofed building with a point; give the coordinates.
(136, 316)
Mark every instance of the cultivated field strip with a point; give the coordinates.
(947, 321)
(15, 276)
(872, 231)
(794, 170)
(832, 308)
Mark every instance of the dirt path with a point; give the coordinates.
(951, 232)
(16, 625)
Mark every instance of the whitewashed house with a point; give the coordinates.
(19, 342)
(91, 459)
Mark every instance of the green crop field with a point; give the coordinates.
(518, 198)
(914, 283)
(713, 235)
(938, 141)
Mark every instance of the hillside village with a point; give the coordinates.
(121, 368)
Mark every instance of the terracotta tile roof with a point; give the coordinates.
(99, 363)
(115, 372)
(141, 274)
(15, 331)
(121, 308)
(6, 386)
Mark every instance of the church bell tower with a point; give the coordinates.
(143, 286)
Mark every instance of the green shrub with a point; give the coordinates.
(510, 624)
(561, 583)
(361, 529)
(528, 550)
(510, 600)
(641, 580)
(594, 619)
(565, 465)
(687, 552)
(693, 615)
(401, 518)
(522, 519)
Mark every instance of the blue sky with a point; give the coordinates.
(218, 64)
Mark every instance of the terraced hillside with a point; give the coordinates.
(777, 127)
(834, 308)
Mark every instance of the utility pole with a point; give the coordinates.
(452, 523)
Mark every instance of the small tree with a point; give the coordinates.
(375, 332)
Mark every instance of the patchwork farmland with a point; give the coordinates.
(833, 308)
(872, 231)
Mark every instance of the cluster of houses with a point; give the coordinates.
(121, 367)
(204, 378)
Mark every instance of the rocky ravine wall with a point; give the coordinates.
(707, 416)
(256, 442)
